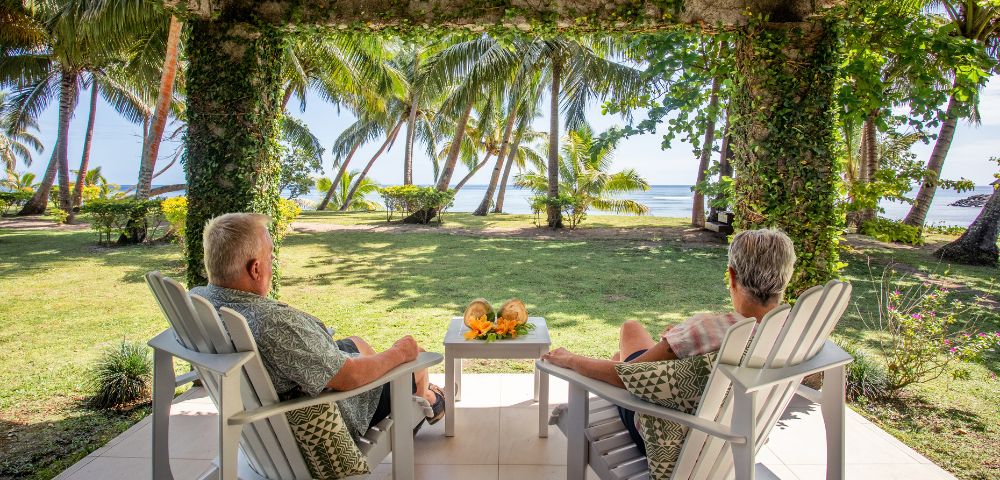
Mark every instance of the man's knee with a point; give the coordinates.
(363, 347)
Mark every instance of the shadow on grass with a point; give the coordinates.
(569, 282)
(28, 251)
(44, 449)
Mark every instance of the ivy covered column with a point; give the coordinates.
(786, 172)
(234, 102)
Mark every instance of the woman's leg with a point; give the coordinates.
(634, 337)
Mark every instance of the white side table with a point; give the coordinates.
(530, 346)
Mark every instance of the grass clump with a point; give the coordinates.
(122, 376)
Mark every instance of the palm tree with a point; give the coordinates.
(338, 192)
(521, 154)
(17, 143)
(977, 21)
(24, 182)
(978, 245)
(164, 96)
(390, 137)
(81, 44)
(583, 169)
(579, 71)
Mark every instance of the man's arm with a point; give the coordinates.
(601, 369)
(363, 370)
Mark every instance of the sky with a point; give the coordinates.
(118, 143)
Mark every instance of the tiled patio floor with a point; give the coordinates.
(496, 438)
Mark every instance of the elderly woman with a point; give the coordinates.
(760, 266)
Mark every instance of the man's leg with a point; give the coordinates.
(634, 337)
(422, 381)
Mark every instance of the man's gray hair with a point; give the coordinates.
(230, 241)
(763, 261)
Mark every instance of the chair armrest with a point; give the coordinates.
(753, 379)
(424, 360)
(220, 363)
(621, 397)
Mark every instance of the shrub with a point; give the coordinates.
(867, 378)
(288, 211)
(574, 210)
(122, 376)
(16, 199)
(58, 215)
(887, 230)
(175, 212)
(942, 229)
(926, 331)
(409, 199)
(130, 219)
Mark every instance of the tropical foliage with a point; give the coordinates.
(338, 193)
(585, 180)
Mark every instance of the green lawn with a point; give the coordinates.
(62, 300)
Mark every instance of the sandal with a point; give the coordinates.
(438, 406)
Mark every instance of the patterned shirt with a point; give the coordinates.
(700, 334)
(296, 349)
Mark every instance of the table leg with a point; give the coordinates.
(538, 375)
(542, 390)
(449, 394)
(458, 379)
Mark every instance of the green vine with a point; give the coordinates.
(782, 119)
(234, 102)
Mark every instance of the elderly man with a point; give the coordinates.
(760, 266)
(297, 351)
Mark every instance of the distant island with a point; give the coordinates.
(978, 201)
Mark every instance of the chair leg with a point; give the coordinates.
(577, 450)
(745, 424)
(833, 404)
(229, 435)
(401, 432)
(163, 395)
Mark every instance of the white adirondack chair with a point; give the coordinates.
(740, 405)
(255, 440)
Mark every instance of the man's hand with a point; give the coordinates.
(408, 347)
(559, 357)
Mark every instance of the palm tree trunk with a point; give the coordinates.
(287, 97)
(725, 160)
(484, 206)
(151, 145)
(869, 161)
(411, 125)
(698, 206)
(391, 137)
(918, 212)
(40, 200)
(336, 179)
(456, 147)
(67, 100)
(511, 156)
(553, 213)
(81, 175)
(472, 172)
(978, 245)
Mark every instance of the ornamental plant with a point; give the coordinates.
(928, 332)
(408, 199)
(175, 211)
(122, 376)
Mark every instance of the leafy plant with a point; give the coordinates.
(175, 212)
(122, 376)
(867, 378)
(59, 215)
(585, 182)
(407, 199)
(129, 218)
(887, 230)
(13, 199)
(926, 331)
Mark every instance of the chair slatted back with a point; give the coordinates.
(268, 444)
(785, 337)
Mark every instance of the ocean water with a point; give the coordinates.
(675, 201)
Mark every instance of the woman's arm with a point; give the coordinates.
(601, 369)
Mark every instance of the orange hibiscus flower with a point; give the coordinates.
(478, 328)
(506, 327)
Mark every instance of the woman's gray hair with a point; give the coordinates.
(230, 241)
(763, 261)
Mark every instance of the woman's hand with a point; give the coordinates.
(559, 357)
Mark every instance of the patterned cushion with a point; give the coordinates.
(326, 443)
(675, 384)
